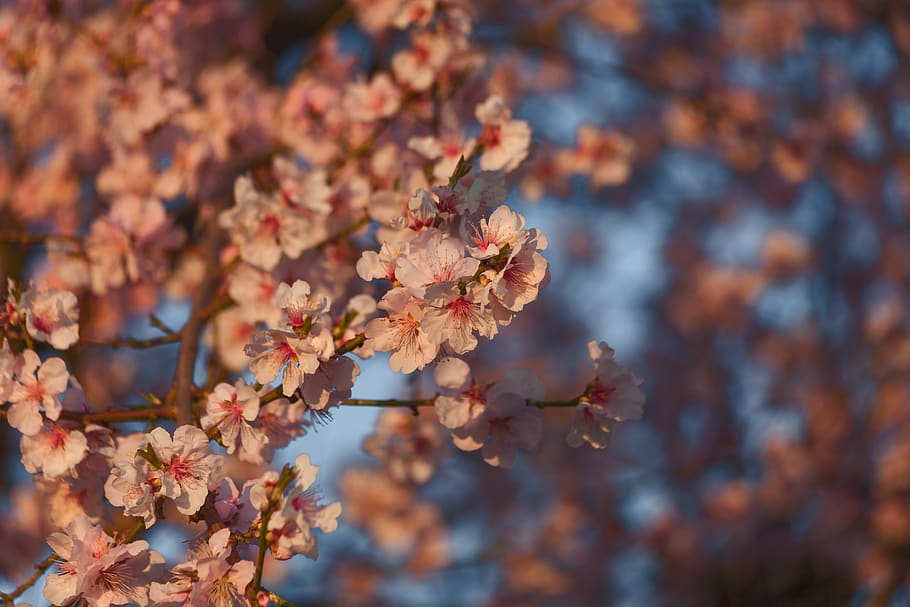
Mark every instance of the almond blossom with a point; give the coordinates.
(97, 571)
(409, 446)
(274, 350)
(51, 315)
(264, 228)
(417, 66)
(330, 384)
(505, 141)
(130, 242)
(433, 257)
(305, 190)
(133, 484)
(381, 265)
(207, 579)
(453, 317)
(504, 228)
(188, 466)
(291, 527)
(446, 150)
(9, 368)
(612, 396)
(495, 418)
(229, 410)
(401, 333)
(515, 282)
(604, 155)
(38, 385)
(367, 102)
(53, 451)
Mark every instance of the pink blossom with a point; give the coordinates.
(189, 467)
(273, 350)
(517, 280)
(301, 309)
(410, 12)
(494, 418)
(307, 190)
(9, 368)
(448, 149)
(38, 385)
(230, 409)
(51, 315)
(491, 236)
(264, 228)
(302, 511)
(433, 257)
(612, 396)
(53, 451)
(208, 579)
(233, 506)
(373, 265)
(98, 571)
(254, 290)
(370, 102)
(401, 333)
(452, 317)
(130, 242)
(417, 67)
(409, 446)
(505, 141)
(133, 484)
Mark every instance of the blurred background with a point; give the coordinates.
(724, 187)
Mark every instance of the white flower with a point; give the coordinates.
(271, 350)
(433, 257)
(453, 318)
(133, 484)
(401, 333)
(230, 409)
(9, 368)
(613, 395)
(505, 141)
(97, 571)
(38, 385)
(301, 512)
(504, 228)
(369, 102)
(53, 451)
(51, 315)
(188, 466)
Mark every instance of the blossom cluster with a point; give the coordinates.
(368, 216)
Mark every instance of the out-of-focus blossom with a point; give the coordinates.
(51, 315)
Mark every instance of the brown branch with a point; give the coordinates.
(189, 336)
(40, 568)
(121, 415)
(131, 342)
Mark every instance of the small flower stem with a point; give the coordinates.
(278, 599)
(274, 502)
(133, 343)
(350, 345)
(40, 569)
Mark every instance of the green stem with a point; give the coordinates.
(274, 502)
